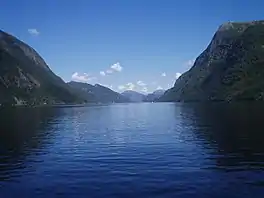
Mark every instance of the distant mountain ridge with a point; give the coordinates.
(153, 97)
(139, 97)
(25, 78)
(133, 96)
(97, 93)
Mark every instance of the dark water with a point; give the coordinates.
(133, 150)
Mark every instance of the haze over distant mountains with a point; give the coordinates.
(153, 97)
(133, 96)
(231, 68)
(102, 94)
(139, 97)
(97, 93)
(25, 79)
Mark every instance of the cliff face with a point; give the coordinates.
(231, 68)
(25, 78)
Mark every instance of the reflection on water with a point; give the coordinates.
(233, 132)
(23, 131)
(133, 150)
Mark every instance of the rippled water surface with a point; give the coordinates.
(133, 150)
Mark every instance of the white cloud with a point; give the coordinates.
(177, 75)
(163, 74)
(128, 86)
(172, 84)
(113, 68)
(33, 32)
(117, 67)
(159, 87)
(109, 71)
(121, 87)
(102, 73)
(141, 83)
(82, 77)
(190, 63)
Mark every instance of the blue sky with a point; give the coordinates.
(145, 44)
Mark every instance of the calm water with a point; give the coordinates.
(133, 150)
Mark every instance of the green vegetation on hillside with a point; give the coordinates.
(25, 78)
(231, 68)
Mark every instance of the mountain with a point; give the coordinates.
(154, 96)
(25, 78)
(134, 96)
(97, 93)
(230, 69)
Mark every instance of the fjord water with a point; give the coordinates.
(133, 150)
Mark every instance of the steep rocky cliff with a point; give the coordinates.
(231, 68)
(25, 78)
